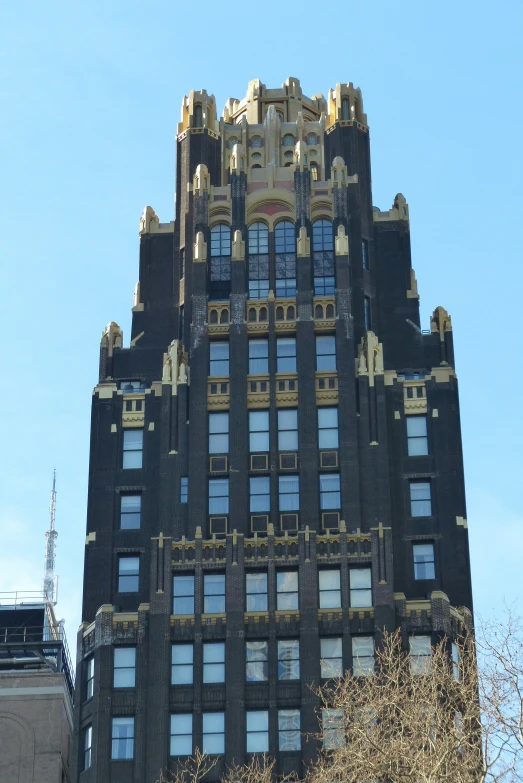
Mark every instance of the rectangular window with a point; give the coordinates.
(214, 593)
(213, 662)
(362, 655)
(328, 428)
(367, 314)
(420, 499)
(132, 449)
(181, 734)
(286, 354)
(88, 742)
(326, 353)
(260, 497)
(331, 658)
(257, 731)
(184, 489)
(330, 496)
(218, 433)
(256, 592)
(122, 745)
(324, 279)
(258, 357)
(330, 588)
(289, 493)
(289, 735)
(182, 656)
(219, 359)
(286, 590)
(258, 431)
(256, 661)
(287, 429)
(130, 512)
(424, 565)
(183, 594)
(360, 587)
(128, 574)
(288, 659)
(258, 289)
(89, 678)
(124, 672)
(333, 733)
(455, 662)
(417, 441)
(365, 253)
(213, 733)
(420, 661)
(218, 496)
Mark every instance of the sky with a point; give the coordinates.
(90, 98)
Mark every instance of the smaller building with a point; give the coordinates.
(36, 692)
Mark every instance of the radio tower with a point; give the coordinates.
(50, 549)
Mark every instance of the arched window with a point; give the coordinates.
(258, 261)
(314, 170)
(345, 109)
(288, 140)
(311, 138)
(256, 156)
(285, 247)
(256, 166)
(256, 141)
(323, 258)
(232, 142)
(288, 154)
(312, 153)
(198, 116)
(220, 267)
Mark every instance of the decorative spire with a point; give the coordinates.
(50, 549)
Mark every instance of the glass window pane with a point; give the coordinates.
(258, 721)
(214, 584)
(360, 578)
(182, 653)
(416, 426)
(329, 579)
(287, 581)
(213, 744)
(214, 652)
(183, 585)
(213, 672)
(124, 656)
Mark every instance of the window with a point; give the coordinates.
(128, 574)
(132, 387)
(218, 433)
(455, 662)
(219, 359)
(326, 353)
(289, 730)
(257, 731)
(420, 499)
(362, 655)
(367, 314)
(285, 247)
(330, 588)
(323, 258)
(417, 441)
(288, 140)
(122, 745)
(214, 593)
(260, 494)
(328, 428)
(345, 109)
(255, 142)
(360, 581)
(124, 671)
(286, 590)
(89, 678)
(218, 496)
(132, 449)
(258, 431)
(130, 512)
(198, 115)
(365, 253)
(256, 661)
(258, 239)
(331, 658)
(420, 662)
(322, 236)
(424, 566)
(289, 493)
(220, 263)
(220, 240)
(333, 734)
(287, 429)
(181, 734)
(258, 357)
(330, 496)
(184, 488)
(314, 171)
(256, 592)
(286, 354)
(88, 742)
(213, 733)
(183, 594)
(182, 664)
(288, 659)
(213, 662)
(258, 262)
(311, 138)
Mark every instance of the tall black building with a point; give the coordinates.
(276, 467)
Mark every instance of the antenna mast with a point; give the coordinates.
(50, 549)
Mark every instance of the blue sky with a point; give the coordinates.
(90, 97)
